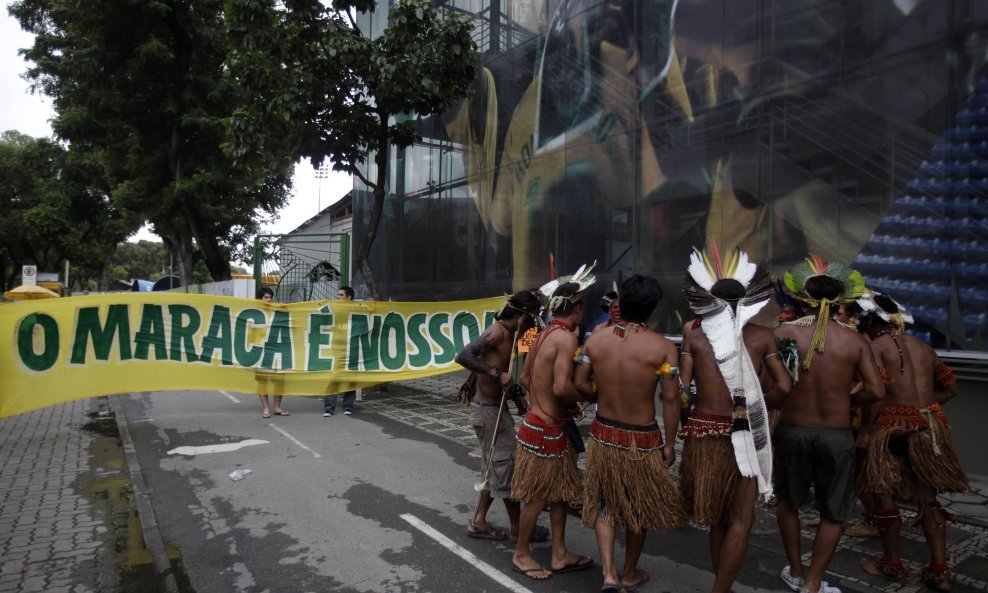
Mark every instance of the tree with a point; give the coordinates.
(143, 86)
(323, 88)
(55, 207)
(148, 260)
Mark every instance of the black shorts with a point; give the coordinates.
(821, 457)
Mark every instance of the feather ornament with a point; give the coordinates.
(700, 270)
(722, 324)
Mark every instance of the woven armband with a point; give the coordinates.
(943, 375)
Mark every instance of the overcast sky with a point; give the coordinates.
(29, 114)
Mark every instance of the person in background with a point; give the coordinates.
(545, 461)
(725, 354)
(266, 295)
(627, 480)
(489, 358)
(345, 293)
(813, 442)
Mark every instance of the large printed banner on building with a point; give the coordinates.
(60, 350)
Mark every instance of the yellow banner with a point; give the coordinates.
(60, 350)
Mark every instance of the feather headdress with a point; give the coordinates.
(722, 322)
(852, 283)
(583, 278)
(869, 305)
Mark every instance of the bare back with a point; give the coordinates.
(625, 368)
(548, 375)
(821, 395)
(895, 357)
(925, 361)
(712, 394)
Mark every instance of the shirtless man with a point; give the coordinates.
(545, 463)
(902, 460)
(489, 357)
(715, 491)
(813, 442)
(626, 453)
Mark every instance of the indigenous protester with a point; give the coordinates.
(489, 358)
(813, 441)
(545, 462)
(727, 455)
(789, 308)
(911, 454)
(627, 478)
(848, 315)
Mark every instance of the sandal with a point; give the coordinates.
(937, 576)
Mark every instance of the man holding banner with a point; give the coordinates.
(489, 358)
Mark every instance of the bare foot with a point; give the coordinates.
(570, 562)
(632, 582)
(887, 569)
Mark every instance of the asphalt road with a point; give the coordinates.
(361, 503)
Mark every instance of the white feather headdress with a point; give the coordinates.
(722, 323)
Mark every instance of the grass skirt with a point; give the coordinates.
(884, 470)
(708, 475)
(634, 487)
(938, 467)
(547, 478)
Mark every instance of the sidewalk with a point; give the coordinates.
(53, 531)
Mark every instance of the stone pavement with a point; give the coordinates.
(70, 523)
(52, 530)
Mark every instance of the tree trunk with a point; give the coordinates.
(180, 247)
(381, 159)
(216, 261)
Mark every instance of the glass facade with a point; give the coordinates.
(629, 131)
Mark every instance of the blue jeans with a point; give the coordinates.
(329, 401)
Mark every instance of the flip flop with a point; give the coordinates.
(266, 415)
(528, 572)
(643, 577)
(610, 589)
(576, 566)
(282, 413)
(489, 533)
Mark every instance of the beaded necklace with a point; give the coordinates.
(621, 328)
(553, 325)
(888, 332)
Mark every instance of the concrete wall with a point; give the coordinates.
(968, 413)
(243, 288)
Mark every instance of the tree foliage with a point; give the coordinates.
(321, 87)
(148, 260)
(143, 87)
(55, 207)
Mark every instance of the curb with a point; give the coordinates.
(145, 510)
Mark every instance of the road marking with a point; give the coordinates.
(294, 440)
(233, 399)
(221, 448)
(465, 554)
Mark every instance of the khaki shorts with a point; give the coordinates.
(483, 418)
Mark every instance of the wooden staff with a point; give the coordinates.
(500, 410)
